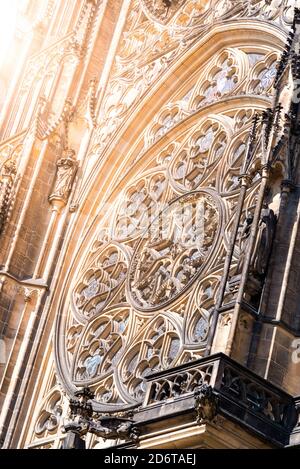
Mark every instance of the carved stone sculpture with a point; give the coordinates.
(6, 185)
(66, 170)
(113, 428)
(82, 420)
(161, 4)
(243, 240)
(162, 10)
(263, 245)
(206, 404)
(261, 251)
(80, 413)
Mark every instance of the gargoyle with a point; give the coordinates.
(206, 403)
(114, 428)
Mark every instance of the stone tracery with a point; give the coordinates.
(171, 117)
(142, 204)
(101, 346)
(207, 154)
(50, 416)
(117, 347)
(106, 272)
(179, 242)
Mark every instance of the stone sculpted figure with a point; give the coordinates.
(263, 244)
(260, 253)
(243, 241)
(206, 403)
(83, 420)
(7, 175)
(113, 428)
(66, 170)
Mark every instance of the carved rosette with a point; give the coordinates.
(161, 10)
(173, 251)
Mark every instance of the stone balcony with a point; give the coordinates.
(214, 392)
(213, 402)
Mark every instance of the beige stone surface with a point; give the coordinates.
(116, 112)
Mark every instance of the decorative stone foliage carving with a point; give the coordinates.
(80, 412)
(82, 420)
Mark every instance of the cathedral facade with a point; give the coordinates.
(150, 225)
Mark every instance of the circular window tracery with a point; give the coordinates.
(106, 271)
(172, 252)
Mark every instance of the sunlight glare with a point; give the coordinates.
(8, 17)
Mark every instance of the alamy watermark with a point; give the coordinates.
(2, 352)
(296, 91)
(182, 223)
(295, 345)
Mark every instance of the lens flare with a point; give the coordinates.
(8, 18)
